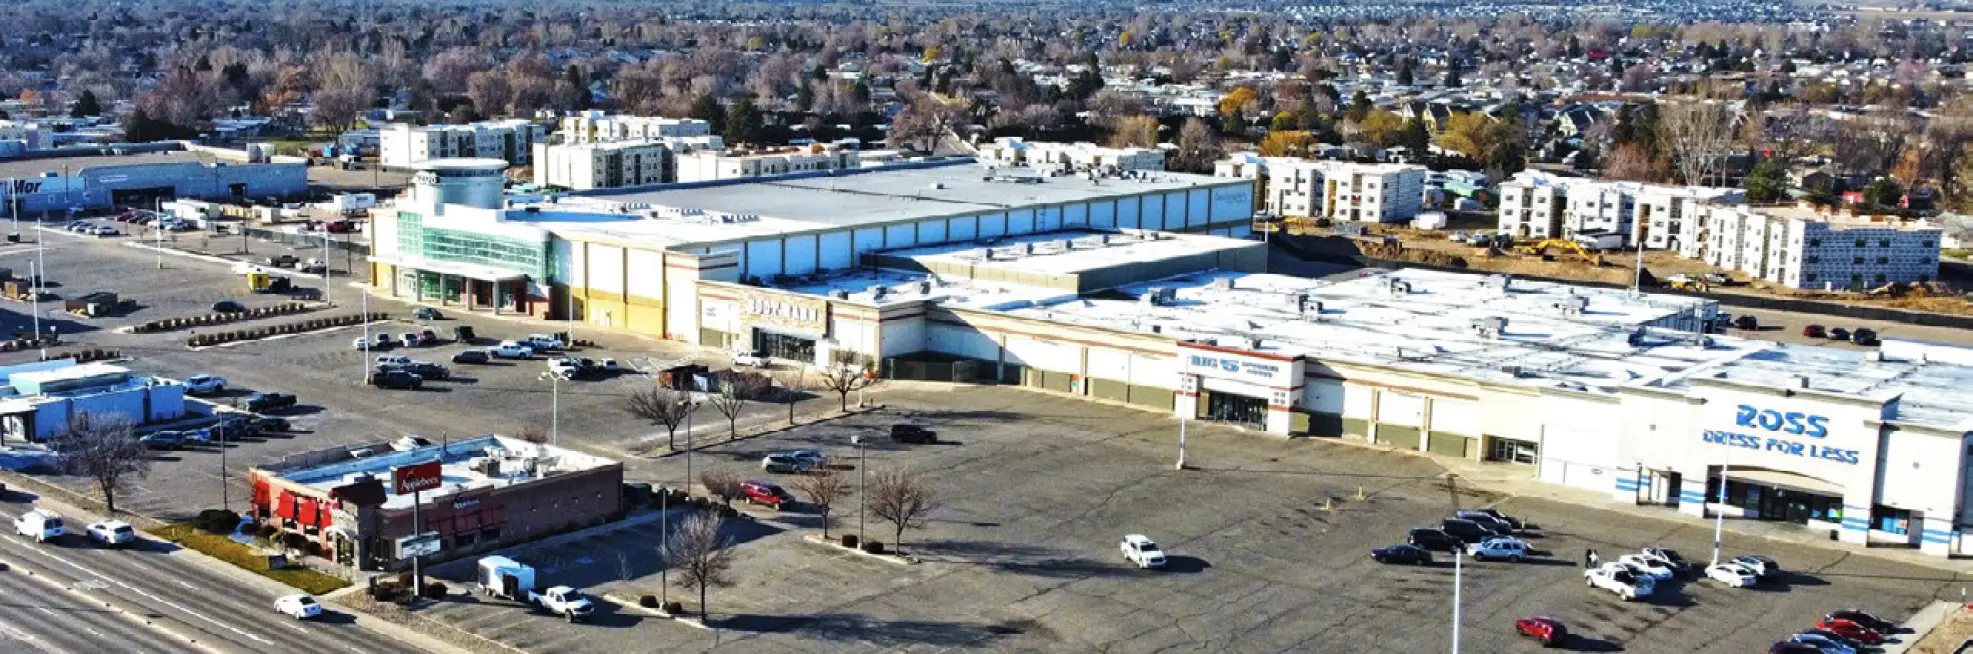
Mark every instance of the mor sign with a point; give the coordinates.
(796, 312)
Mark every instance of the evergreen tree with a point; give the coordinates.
(743, 122)
(1405, 75)
(1359, 107)
(1452, 75)
(707, 108)
(805, 96)
(1767, 182)
(86, 106)
(1417, 141)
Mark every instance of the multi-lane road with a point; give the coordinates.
(84, 598)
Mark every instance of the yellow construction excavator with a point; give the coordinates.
(1540, 249)
(1686, 283)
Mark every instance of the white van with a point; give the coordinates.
(40, 524)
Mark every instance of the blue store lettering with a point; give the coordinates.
(1793, 422)
(1780, 446)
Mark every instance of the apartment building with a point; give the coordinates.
(1340, 190)
(1015, 151)
(1540, 205)
(709, 165)
(1803, 247)
(600, 127)
(1533, 205)
(404, 146)
(588, 166)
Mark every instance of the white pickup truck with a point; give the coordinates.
(565, 601)
(1617, 578)
(749, 358)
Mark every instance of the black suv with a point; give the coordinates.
(471, 356)
(396, 379)
(913, 434)
(1466, 531)
(1432, 539)
(266, 402)
(425, 369)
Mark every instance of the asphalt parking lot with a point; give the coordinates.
(1036, 491)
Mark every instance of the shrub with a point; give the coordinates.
(874, 547)
(648, 601)
(435, 590)
(315, 549)
(849, 540)
(673, 608)
(225, 549)
(294, 541)
(217, 521)
(265, 531)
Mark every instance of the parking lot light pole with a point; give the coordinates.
(862, 473)
(555, 410)
(1458, 578)
(157, 227)
(1181, 443)
(1719, 516)
(325, 264)
(225, 490)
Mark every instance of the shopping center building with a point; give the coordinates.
(1146, 293)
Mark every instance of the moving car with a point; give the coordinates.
(1433, 539)
(564, 601)
(1411, 554)
(1733, 576)
(1762, 566)
(1852, 631)
(782, 463)
(426, 313)
(409, 443)
(205, 384)
(811, 457)
(1548, 631)
(104, 230)
(228, 306)
(472, 356)
(1748, 323)
(762, 492)
(1618, 579)
(111, 532)
(1507, 548)
(1139, 549)
(41, 525)
(1814, 331)
(904, 433)
(299, 607)
(1863, 618)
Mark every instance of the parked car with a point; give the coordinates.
(761, 492)
(1466, 531)
(1840, 639)
(1734, 576)
(362, 344)
(1852, 631)
(390, 360)
(906, 433)
(111, 532)
(1494, 524)
(1619, 580)
(544, 342)
(1497, 515)
(1142, 551)
(471, 356)
(428, 336)
(163, 440)
(283, 260)
(267, 424)
(1824, 643)
(1548, 631)
(299, 607)
(1763, 566)
(1500, 548)
(1792, 647)
(104, 230)
(463, 333)
(428, 370)
(1648, 565)
(228, 306)
(1814, 331)
(268, 402)
(426, 313)
(512, 350)
(1863, 618)
(1670, 557)
(397, 380)
(749, 359)
(1406, 553)
(1863, 336)
(205, 384)
(410, 339)
(1839, 334)
(1748, 323)
(784, 464)
(1433, 539)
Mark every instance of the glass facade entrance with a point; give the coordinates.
(1227, 407)
(787, 347)
(1764, 502)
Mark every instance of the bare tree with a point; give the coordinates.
(822, 489)
(1696, 133)
(721, 484)
(102, 449)
(533, 434)
(734, 393)
(662, 406)
(902, 498)
(848, 373)
(925, 120)
(702, 555)
(793, 383)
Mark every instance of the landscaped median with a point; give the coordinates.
(242, 556)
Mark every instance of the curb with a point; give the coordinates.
(1922, 624)
(833, 415)
(894, 559)
(627, 605)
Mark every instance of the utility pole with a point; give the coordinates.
(417, 560)
(862, 473)
(157, 228)
(1719, 516)
(225, 490)
(1458, 579)
(41, 270)
(664, 539)
(555, 409)
(1181, 443)
(325, 263)
(363, 367)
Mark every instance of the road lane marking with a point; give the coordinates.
(154, 598)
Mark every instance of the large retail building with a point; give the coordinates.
(1147, 293)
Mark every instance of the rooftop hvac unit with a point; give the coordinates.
(839, 294)
(1512, 370)
(1223, 284)
(924, 288)
(1398, 287)
(485, 466)
(1572, 305)
(877, 292)
(1490, 327)
(1157, 328)
(1254, 344)
(1154, 296)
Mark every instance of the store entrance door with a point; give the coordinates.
(1240, 409)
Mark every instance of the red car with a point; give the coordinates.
(760, 492)
(1853, 631)
(1814, 331)
(1549, 631)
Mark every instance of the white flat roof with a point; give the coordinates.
(456, 460)
(1072, 251)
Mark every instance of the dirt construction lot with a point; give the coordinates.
(1036, 491)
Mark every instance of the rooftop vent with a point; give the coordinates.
(1571, 305)
(1223, 284)
(877, 292)
(1512, 370)
(924, 288)
(1490, 327)
(1398, 287)
(1501, 283)
(839, 294)
(1154, 296)
(1253, 344)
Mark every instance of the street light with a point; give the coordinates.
(862, 473)
(1458, 579)
(1719, 516)
(1181, 443)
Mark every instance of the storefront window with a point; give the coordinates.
(1887, 519)
(1763, 502)
(1227, 407)
(1512, 451)
(788, 347)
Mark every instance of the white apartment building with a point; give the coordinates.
(588, 166)
(1340, 190)
(709, 165)
(1539, 205)
(1015, 151)
(1801, 247)
(601, 126)
(403, 145)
